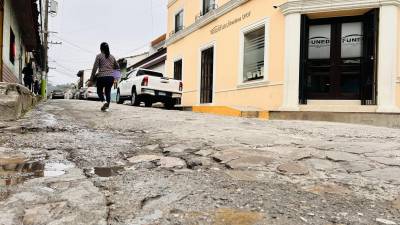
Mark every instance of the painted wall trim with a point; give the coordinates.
(312, 6)
(205, 20)
(179, 10)
(387, 55)
(254, 86)
(245, 30)
(176, 59)
(292, 60)
(212, 44)
(244, 87)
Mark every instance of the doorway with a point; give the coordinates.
(207, 76)
(339, 58)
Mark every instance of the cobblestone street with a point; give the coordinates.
(68, 163)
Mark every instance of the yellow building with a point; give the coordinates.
(286, 55)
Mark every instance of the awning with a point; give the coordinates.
(28, 18)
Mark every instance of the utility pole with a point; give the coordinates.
(46, 47)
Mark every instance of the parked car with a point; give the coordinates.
(148, 86)
(91, 94)
(68, 94)
(82, 93)
(57, 94)
(76, 94)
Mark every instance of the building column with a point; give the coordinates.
(292, 61)
(387, 58)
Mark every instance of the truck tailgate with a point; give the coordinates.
(164, 84)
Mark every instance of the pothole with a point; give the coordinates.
(106, 171)
(16, 169)
(54, 169)
(15, 173)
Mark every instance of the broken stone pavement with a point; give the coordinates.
(194, 168)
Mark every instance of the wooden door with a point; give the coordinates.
(207, 76)
(178, 70)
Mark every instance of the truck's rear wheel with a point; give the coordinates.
(134, 99)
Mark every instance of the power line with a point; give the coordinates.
(64, 67)
(91, 52)
(73, 61)
(75, 45)
(65, 74)
(70, 61)
(136, 49)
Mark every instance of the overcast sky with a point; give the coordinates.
(127, 25)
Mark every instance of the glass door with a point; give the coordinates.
(350, 60)
(334, 59)
(319, 61)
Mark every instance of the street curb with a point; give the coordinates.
(228, 111)
(391, 120)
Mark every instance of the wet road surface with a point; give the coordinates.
(68, 163)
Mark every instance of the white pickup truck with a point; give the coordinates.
(148, 86)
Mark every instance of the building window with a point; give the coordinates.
(254, 54)
(208, 5)
(178, 69)
(13, 47)
(179, 21)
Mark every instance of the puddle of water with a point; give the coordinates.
(15, 173)
(107, 171)
(16, 170)
(56, 169)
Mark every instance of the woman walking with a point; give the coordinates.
(106, 64)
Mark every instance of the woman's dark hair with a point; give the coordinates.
(104, 48)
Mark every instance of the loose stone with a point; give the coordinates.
(342, 156)
(172, 162)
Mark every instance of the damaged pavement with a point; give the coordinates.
(68, 163)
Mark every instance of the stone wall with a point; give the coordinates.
(15, 101)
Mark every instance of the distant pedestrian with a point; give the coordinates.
(36, 86)
(106, 64)
(28, 76)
